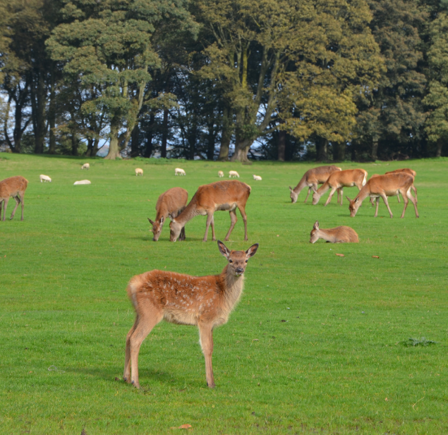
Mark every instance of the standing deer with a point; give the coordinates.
(338, 180)
(222, 195)
(12, 187)
(204, 301)
(170, 204)
(409, 172)
(311, 179)
(341, 234)
(384, 186)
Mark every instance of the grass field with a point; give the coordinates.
(316, 345)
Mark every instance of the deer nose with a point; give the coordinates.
(239, 270)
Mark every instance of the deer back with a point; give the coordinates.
(13, 186)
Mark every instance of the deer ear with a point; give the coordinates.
(151, 222)
(162, 220)
(316, 225)
(349, 200)
(223, 249)
(290, 188)
(252, 251)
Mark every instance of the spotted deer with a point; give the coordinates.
(205, 302)
(227, 195)
(311, 179)
(340, 234)
(13, 187)
(170, 204)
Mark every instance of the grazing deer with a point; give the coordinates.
(138, 171)
(338, 180)
(204, 301)
(341, 234)
(13, 187)
(234, 174)
(311, 179)
(409, 172)
(170, 204)
(222, 195)
(384, 186)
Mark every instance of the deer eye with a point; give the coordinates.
(230, 261)
(247, 261)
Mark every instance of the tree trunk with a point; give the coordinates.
(149, 134)
(164, 133)
(439, 148)
(339, 152)
(281, 145)
(226, 134)
(38, 98)
(135, 142)
(241, 150)
(74, 141)
(52, 116)
(321, 149)
(114, 152)
(375, 149)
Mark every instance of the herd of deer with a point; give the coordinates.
(207, 301)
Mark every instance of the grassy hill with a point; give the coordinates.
(318, 343)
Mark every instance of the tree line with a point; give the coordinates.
(233, 79)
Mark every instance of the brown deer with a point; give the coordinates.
(12, 187)
(409, 172)
(341, 234)
(384, 186)
(339, 180)
(204, 301)
(170, 204)
(311, 179)
(222, 195)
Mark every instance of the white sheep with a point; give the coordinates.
(257, 177)
(44, 178)
(220, 174)
(85, 166)
(234, 174)
(179, 171)
(81, 182)
(138, 171)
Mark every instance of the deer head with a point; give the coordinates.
(353, 206)
(314, 237)
(157, 228)
(237, 260)
(293, 195)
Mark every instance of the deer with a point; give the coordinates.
(311, 179)
(384, 186)
(227, 195)
(340, 234)
(204, 301)
(406, 171)
(13, 187)
(338, 180)
(170, 204)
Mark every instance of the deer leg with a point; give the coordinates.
(415, 192)
(233, 220)
(182, 234)
(340, 194)
(146, 323)
(308, 194)
(244, 215)
(398, 197)
(377, 200)
(127, 361)
(213, 228)
(15, 208)
(206, 340)
(1, 207)
(207, 225)
(22, 204)
(5, 205)
(387, 204)
(333, 189)
(414, 201)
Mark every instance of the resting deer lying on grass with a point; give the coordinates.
(204, 301)
(12, 187)
(170, 204)
(384, 186)
(311, 179)
(341, 234)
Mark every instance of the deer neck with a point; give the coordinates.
(189, 212)
(233, 288)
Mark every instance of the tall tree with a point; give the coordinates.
(109, 44)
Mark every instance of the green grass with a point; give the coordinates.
(316, 344)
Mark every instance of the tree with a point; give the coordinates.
(109, 44)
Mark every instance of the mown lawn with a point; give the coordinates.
(316, 344)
